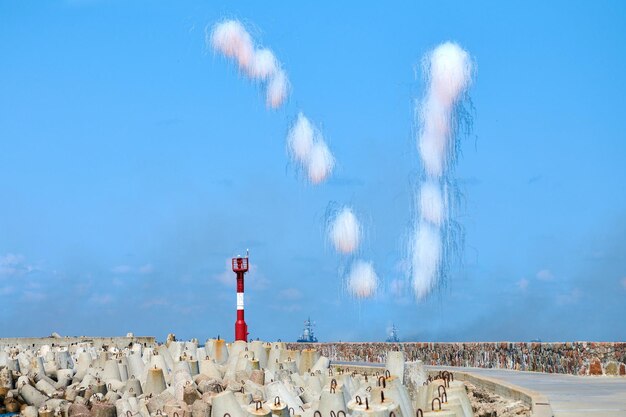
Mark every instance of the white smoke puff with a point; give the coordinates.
(426, 259)
(300, 139)
(321, 162)
(277, 90)
(345, 231)
(362, 280)
(264, 64)
(432, 206)
(450, 71)
(434, 136)
(233, 40)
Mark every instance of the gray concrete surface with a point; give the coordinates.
(570, 396)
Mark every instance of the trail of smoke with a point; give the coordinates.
(232, 40)
(362, 281)
(345, 231)
(277, 90)
(432, 206)
(300, 139)
(307, 148)
(321, 163)
(448, 70)
(264, 64)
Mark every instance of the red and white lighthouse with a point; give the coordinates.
(240, 267)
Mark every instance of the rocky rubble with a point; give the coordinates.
(486, 404)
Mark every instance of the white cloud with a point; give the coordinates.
(522, 284)
(12, 265)
(127, 269)
(226, 277)
(570, 298)
(253, 279)
(545, 275)
(101, 299)
(155, 302)
(146, 269)
(398, 287)
(121, 269)
(6, 290)
(34, 296)
(287, 308)
(290, 294)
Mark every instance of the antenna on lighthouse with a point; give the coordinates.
(240, 267)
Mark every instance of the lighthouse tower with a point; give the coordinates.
(240, 267)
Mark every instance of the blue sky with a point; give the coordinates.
(134, 162)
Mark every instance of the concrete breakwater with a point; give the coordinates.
(574, 358)
(219, 379)
(97, 342)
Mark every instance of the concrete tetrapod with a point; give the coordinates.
(277, 407)
(278, 389)
(399, 394)
(155, 382)
(395, 364)
(331, 400)
(225, 403)
(258, 409)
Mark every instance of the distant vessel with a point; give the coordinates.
(307, 334)
(393, 335)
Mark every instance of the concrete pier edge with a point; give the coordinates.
(539, 403)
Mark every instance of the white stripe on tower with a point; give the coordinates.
(239, 301)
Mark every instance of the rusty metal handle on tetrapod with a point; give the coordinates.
(419, 413)
(381, 382)
(432, 404)
(332, 414)
(358, 400)
(439, 390)
(341, 411)
(292, 411)
(277, 400)
(258, 405)
(444, 397)
(387, 374)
